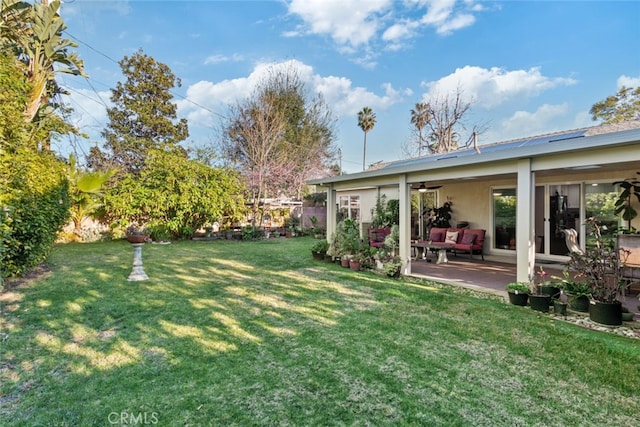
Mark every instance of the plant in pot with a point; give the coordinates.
(344, 241)
(600, 268)
(540, 295)
(392, 267)
(319, 249)
(518, 293)
(624, 203)
(577, 292)
(627, 316)
(440, 217)
(136, 234)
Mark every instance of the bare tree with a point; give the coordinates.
(439, 126)
(278, 137)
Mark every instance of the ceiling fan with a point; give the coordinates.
(423, 188)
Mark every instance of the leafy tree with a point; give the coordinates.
(175, 194)
(278, 136)
(34, 34)
(142, 117)
(14, 132)
(624, 105)
(366, 122)
(34, 200)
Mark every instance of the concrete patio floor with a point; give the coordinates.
(491, 275)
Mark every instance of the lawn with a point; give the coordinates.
(258, 333)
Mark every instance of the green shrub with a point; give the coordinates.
(520, 287)
(35, 201)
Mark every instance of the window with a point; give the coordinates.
(600, 199)
(349, 207)
(504, 217)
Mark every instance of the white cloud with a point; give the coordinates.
(339, 93)
(90, 113)
(348, 22)
(547, 118)
(354, 24)
(443, 16)
(492, 87)
(627, 81)
(219, 58)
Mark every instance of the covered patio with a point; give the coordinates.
(492, 275)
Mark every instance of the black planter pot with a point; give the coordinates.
(518, 298)
(609, 314)
(328, 258)
(540, 302)
(560, 307)
(552, 291)
(578, 303)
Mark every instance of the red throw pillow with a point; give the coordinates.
(468, 239)
(436, 236)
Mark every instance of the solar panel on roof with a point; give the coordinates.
(492, 148)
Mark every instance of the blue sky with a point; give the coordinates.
(528, 67)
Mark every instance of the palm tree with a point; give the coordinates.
(40, 46)
(85, 189)
(366, 121)
(419, 118)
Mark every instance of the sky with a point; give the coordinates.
(526, 67)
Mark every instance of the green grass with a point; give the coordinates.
(258, 333)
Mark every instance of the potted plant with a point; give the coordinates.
(319, 249)
(559, 307)
(136, 234)
(343, 241)
(440, 217)
(577, 292)
(540, 297)
(624, 203)
(392, 267)
(600, 268)
(518, 293)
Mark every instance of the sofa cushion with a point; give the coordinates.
(437, 232)
(468, 239)
(436, 237)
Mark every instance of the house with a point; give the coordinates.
(522, 192)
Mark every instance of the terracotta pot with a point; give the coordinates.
(137, 239)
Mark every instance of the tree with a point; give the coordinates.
(142, 117)
(624, 105)
(85, 189)
(174, 194)
(278, 136)
(14, 131)
(34, 34)
(419, 119)
(366, 122)
(443, 117)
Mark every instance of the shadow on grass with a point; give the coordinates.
(238, 332)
